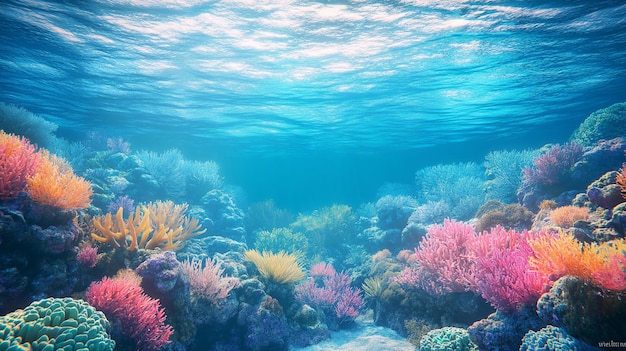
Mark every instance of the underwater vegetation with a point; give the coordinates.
(115, 248)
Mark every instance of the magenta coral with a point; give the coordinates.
(504, 277)
(141, 317)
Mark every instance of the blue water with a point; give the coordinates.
(314, 103)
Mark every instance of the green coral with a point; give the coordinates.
(281, 239)
(55, 324)
(328, 226)
(607, 123)
(447, 339)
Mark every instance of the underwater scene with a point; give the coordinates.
(299, 175)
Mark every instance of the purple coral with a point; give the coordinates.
(333, 295)
(551, 167)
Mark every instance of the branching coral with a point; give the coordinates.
(159, 224)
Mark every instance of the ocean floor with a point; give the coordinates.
(364, 336)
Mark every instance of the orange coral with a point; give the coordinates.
(566, 216)
(558, 255)
(160, 224)
(55, 184)
(621, 180)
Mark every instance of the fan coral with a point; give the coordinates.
(160, 224)
(55, 184)
(140, 317)
(281, 268)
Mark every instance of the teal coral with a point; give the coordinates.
(552, 338)
(607, 123)
(55, 324)
(447, 339)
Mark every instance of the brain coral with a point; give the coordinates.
(607, 123)
(55, 324)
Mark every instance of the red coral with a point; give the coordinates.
(18, 161)
(140, 316)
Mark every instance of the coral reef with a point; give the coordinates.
(221, 216)
(504, 331)
(585, 311)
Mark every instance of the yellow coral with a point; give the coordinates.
(55, 184)
(281, 268)
(160, 224)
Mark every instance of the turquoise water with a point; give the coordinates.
(314, 103)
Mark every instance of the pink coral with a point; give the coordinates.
(504, 277)
(18, 162)
(445, 259)
(141, 317)
(207, 282)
